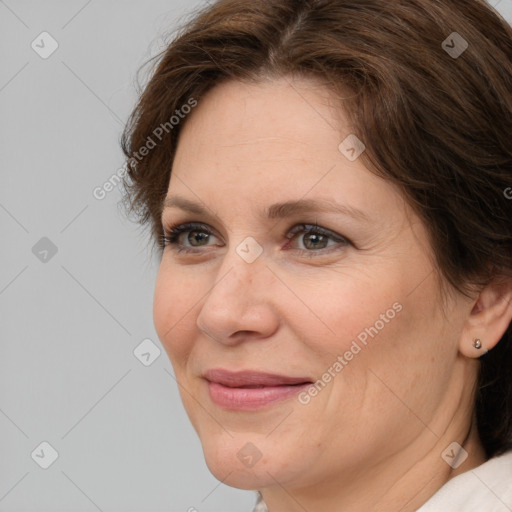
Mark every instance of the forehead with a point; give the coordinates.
(271, 142)
(280, 116)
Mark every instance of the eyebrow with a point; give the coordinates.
(277, 210)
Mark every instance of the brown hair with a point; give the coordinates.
(437, 124)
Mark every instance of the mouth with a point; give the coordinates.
(249, 390)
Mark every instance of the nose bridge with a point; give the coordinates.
(237, 301)
(243, 263)
(239, 272)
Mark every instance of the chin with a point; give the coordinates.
(238, 462)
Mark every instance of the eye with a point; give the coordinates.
(187, 237)
(313, 238)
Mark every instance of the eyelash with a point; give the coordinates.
(172, 233)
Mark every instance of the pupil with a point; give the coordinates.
(197, 236)
(315, 241)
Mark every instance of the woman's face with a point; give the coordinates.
(304, 268)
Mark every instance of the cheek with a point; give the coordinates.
(342, 307)
(360, 328)
(173, 311)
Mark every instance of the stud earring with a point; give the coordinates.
(477, 343)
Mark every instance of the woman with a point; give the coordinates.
(327, 180)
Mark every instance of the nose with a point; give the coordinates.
(239, 305)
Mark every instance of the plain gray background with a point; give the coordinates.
(72, 319)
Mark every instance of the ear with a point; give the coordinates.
(489, 319)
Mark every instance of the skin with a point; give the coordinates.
(373, 437)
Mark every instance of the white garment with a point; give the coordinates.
(486, 488)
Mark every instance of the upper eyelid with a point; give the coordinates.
(297, 228)
(315, 227)
(188, 226)
(185, 226)
(297, 221)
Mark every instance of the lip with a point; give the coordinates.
(247, 378)
(249, 390)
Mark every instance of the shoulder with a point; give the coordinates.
(260, 504)
(487, 487)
